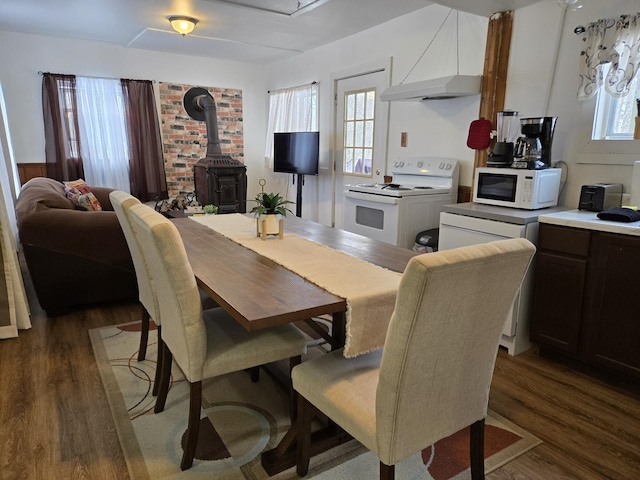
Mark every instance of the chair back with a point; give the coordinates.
(183, 328)
(121, 203)
(442, 343)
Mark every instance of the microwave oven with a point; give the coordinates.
(517, 188)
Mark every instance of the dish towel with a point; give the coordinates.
(369, 290)
(619, 214)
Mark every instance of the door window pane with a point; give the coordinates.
(359, 129)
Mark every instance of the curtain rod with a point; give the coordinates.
(297, 86)
(40, 72)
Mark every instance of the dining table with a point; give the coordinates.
(260, 293)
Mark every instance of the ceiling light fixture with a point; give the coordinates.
(572, 5)
(183, 24)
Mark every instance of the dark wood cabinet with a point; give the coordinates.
(584, 296)
(612, 333)
(557, 308)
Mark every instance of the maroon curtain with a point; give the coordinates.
(62, 141)
(146, 161)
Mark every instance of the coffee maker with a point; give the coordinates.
(508, 129)
(533, 151)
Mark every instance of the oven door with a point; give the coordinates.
(374, 216)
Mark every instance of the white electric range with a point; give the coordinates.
(396, 212)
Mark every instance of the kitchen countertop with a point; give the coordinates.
(515, 216)
(589, 221)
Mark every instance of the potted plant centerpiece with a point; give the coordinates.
(269, 212)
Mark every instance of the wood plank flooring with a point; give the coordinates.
(55, 421)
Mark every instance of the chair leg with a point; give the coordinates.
(195, 404)
(387, 472)
(158, 376)
(167, 360)
(477, 450)
(254, 373)
(303, 441)
(293, 396)
(144, 333)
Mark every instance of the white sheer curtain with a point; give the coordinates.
(103, 133)
(14, 307)
(615, 41)
(292, 109)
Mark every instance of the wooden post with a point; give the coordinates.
(494, 76)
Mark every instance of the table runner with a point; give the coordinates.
(369, 290)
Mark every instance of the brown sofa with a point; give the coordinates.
(74, 257)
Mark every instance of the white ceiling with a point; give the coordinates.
(257, 31)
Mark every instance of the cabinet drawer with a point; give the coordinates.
(571, 241)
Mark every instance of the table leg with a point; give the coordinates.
(283, 456)
(338, 330)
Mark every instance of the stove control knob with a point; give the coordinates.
(448, 167)
(441, 166)
(400, 164)
(419, 164)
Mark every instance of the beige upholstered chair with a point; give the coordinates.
(204, 344)
(121, 202)
(433, 376)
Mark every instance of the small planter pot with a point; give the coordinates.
(271, 224)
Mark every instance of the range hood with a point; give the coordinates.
(441, 88)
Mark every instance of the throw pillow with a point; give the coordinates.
(80, 194)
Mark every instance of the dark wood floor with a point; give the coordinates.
(55, 421)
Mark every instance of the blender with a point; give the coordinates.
(508, 130)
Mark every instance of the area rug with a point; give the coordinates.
(240, 419)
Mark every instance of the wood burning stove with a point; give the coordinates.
(219, 179)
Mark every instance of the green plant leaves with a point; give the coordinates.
(271, 203)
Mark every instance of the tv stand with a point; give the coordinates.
(299, 194)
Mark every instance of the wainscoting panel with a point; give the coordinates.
(27, 171)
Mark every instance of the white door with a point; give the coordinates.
(361, 128)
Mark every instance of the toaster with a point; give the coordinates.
(600, 196)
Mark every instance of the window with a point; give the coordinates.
(292, 109)
(68, 113)
(614, 117)
(96, 105)
(105, 131)
(359, 127)
(609, 66)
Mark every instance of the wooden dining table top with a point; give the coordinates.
(259, 293)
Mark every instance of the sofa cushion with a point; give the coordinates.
(42, 193)
(80, 194)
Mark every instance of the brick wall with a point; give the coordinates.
(185, 140)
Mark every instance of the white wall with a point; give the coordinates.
(22, 56)
(437, 128)
(545, 47)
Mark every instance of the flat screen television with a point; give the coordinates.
(296, 152)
